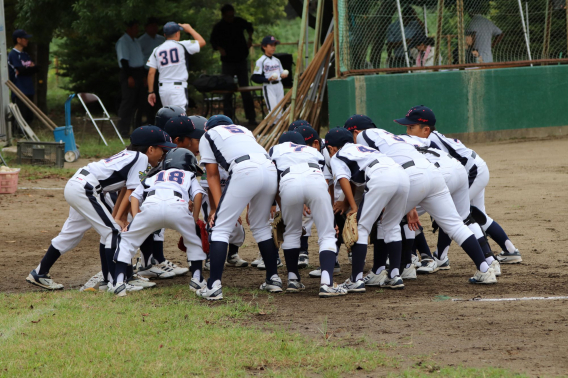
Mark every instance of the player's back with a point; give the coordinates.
(169, 60)
(389, 144)
(288, 154)
(433, 155)
(175, 180)
(454, 147)
(122, 168)
(357, 157)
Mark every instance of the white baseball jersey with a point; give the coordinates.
(169, 60)
(268, 66)
(454, 147)
(435, 156)
(122, 169)
(177, 180)
(352, 159)
(288, 154)
(223, 177)
(389, 144)
(224, 144)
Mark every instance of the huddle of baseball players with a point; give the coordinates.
(380, 182)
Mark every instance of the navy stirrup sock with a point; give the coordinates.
(327, 263)
(422, 245)
(104, 265)
(158, 251)
(217, 256)
(291, 256)
(444, 242)
(394, 252)
(146, 250)
(304, 243)
(498, 234)
(48, 260)
(233, 250)
(269, 254)
(359, 252)
(472, 248)
(379, 254)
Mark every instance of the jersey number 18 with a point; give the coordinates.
(175, 176)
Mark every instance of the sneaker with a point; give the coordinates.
(496, 267)
(43, 280)
(213, 294)
(207, 265)
(510, 258)
(409, 273)
(332, 291)
(350, 257)
(273, 285)
(156, 271)
(236, 261)
(257, 261)
(354, 287)
(103, 286)
(427, 266)
(416, 261)
(395, 283)
(443, 264)
(261, 265)
(195, 285)
(317, 273)
(137, 280)
(178, 271)
(294, 286)
(303, 260)
(373, 279)
(484, 278)
(121, 289)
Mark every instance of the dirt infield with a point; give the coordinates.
(420, 325)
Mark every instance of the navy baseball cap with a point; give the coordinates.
(171, 28)
(308, 133)
(183, 127)
(418, 115)
(151, 136)
(20, 33)
(218, 120)
(298, 123)
(292, 136)
(359, 122)
(338, 137)
(268, 40)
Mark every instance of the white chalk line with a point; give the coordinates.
(33, 188)
(510, 299)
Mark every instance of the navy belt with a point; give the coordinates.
(408, 164)
(274, 82)
(153, 192)
(437, 165)
(311, 165)
(176, 83)
(373, 163)
(473, 154)
(247, 157)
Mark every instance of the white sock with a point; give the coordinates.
(275, 277)
(197, 275)
(37, 269)
(292, 276)
(484, 267)
(325, 278)
(394, 273)
(444, 253)
(120, 278)
(489, 260)
(359, 276)
(381, 268)
(510, 247)
(216, 283)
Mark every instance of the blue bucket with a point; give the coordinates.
(65, 134)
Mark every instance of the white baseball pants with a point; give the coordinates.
(237, 237)
(273, 93)
(477, 190)
(172, 94)
(306, 185)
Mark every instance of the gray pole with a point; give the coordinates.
(4, 92)
(402, 33)
(425, 21)
(528, 27)
(525, 30)
(307, 41)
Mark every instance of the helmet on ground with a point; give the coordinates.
(181, 158)
(166, 113)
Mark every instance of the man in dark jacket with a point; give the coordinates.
(228, 38)
(21, 70)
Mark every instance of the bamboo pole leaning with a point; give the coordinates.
(37, 111)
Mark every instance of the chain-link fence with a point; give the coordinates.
(379, 34)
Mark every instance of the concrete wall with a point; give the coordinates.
(485, 101)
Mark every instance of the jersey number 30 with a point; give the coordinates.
(175, 176)
(173, 56)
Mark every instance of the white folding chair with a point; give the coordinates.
(89, 98)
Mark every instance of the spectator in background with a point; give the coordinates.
(228, 38)
(21, 70)
(485, 31)
(131, 63)
(424, 51)
(148, 42)
(413, 27)
(471, 54)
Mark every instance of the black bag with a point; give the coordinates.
(287, 62)
(208, 83)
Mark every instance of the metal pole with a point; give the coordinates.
(318, 26)
(307, 38)
(546, 38)
(439, 30)
(528, 27)
(402, 33)
(299, 60)
(525, 30)
(425, 21)
(461, 33)
(4, 93)
(336, 39)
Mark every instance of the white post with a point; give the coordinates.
(425, 22)
(4, 92)
(402, 33)
(528, 28)
(525, 30)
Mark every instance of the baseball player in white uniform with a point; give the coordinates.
(164, 198)
(427, 189)
(421, 121)
(302, 183)
(252, 180)
(82, 192)
(268, 71)
(169, 60)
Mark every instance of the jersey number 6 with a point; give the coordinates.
(173, 54)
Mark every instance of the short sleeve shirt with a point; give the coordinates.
(148, 44)
(128, 48)
(267, 66)
(120, 170)
(169, 59)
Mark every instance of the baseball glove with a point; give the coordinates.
(350, 233)
(278, 228)
(203, 234)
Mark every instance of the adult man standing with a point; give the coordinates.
(131, 62)
(228, 38)
(169, 60)
(485, 31)
(149, 41)
(21, 71)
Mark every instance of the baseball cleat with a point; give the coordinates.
(43, 280)
(156, 271)
(354, 287)
(327, 291)
(427, 266)
(213, 294)
(103, 286)
(178, 271)
(120, 289)
(484, 278)
(207, 265)
(257, 261)
(137, 280)
(496, 267)
(236, 261)
(373, 279)
(443, 264)
(395, 283)
(416, 261)
(303, 260)
(273, 285)
(294, 286)
(510, 258)
(317, 273)
(409, 273)
(195, 285)
(261, 265)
